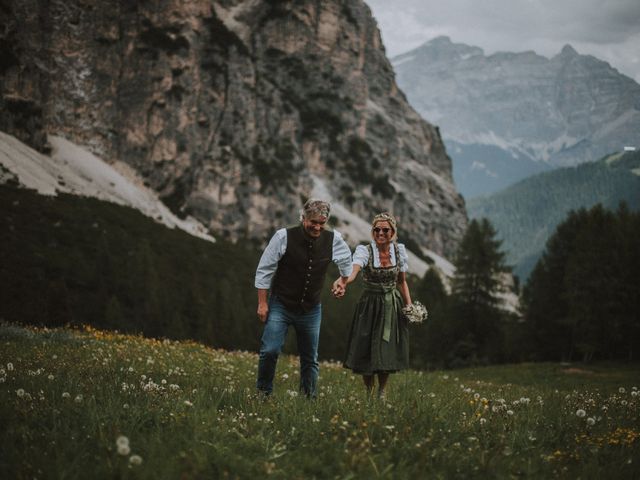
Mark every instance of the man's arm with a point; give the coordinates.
(267, 268)
(342, 258)
(263, 304)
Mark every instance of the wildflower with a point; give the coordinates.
(580, 413)
(10, 367)
(621, 390)
(509, 412)
(293, 394)
(135, 460)
(591, 421)
(78, 399)
(285, 376)
(483, 421)
(50, 377)
(634, 393)
(122, 443)
(20, 392)
(476, 396)
(188, 403)
(66, 395)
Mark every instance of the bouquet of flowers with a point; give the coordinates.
(416, 312)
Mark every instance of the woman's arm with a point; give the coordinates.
(339, 286)
(403, 288)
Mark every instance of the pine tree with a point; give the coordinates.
(476, 285)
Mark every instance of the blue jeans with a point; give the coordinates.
(307, 326)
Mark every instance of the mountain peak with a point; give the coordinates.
(568, 50)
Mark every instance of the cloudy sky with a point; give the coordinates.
(606, 29)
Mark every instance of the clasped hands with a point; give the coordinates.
(339, 287)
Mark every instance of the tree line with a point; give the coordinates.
(71, 261)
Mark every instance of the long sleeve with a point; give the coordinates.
(270, 257)
(341, 254)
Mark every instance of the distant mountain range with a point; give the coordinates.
(506, 116)
(527, 213)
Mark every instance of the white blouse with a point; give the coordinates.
(361, 256)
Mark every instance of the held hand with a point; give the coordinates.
(263, 311)
(338, 288)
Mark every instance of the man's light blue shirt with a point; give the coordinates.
(268, 264)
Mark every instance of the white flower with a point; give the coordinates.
(580, 413)
(483, 421)
(66, 395)
(591, 421)
(509, 412)
(621, 390)
(135, 460)
(122, 440)
(124, 450)
(188, 403)
(50, 377)
(285, 376)
(20, 392)
(293, 394)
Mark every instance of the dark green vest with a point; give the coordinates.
(301, 270)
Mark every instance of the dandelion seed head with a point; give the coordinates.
(20, 392)
(580, 413)
(591, 421)
(66, 395)
(135, 460)
(124, 450)
(10, 367)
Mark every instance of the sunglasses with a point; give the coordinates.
(383, 230)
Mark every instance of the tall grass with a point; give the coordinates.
(94, 404)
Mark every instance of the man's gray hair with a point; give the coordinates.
(314, 207)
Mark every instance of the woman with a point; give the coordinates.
(378, 341)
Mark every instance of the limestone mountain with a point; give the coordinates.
(509, 115)
(232, 110)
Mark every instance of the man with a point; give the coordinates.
(293, 266)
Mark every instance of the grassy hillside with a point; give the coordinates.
(526, 214)
(79, 401)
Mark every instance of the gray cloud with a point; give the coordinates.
(607, 29)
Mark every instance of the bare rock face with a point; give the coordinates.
(230, 108)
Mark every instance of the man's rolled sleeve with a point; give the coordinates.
(270, 258)
(341, 254)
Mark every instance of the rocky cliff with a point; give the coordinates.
(510, 115)
(232, 109)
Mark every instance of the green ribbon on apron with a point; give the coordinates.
(392, 301)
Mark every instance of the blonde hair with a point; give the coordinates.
(386, 217)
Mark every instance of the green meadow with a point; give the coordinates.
(84, 403)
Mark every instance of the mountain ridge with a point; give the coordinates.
(526, 214)
(539, 112)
